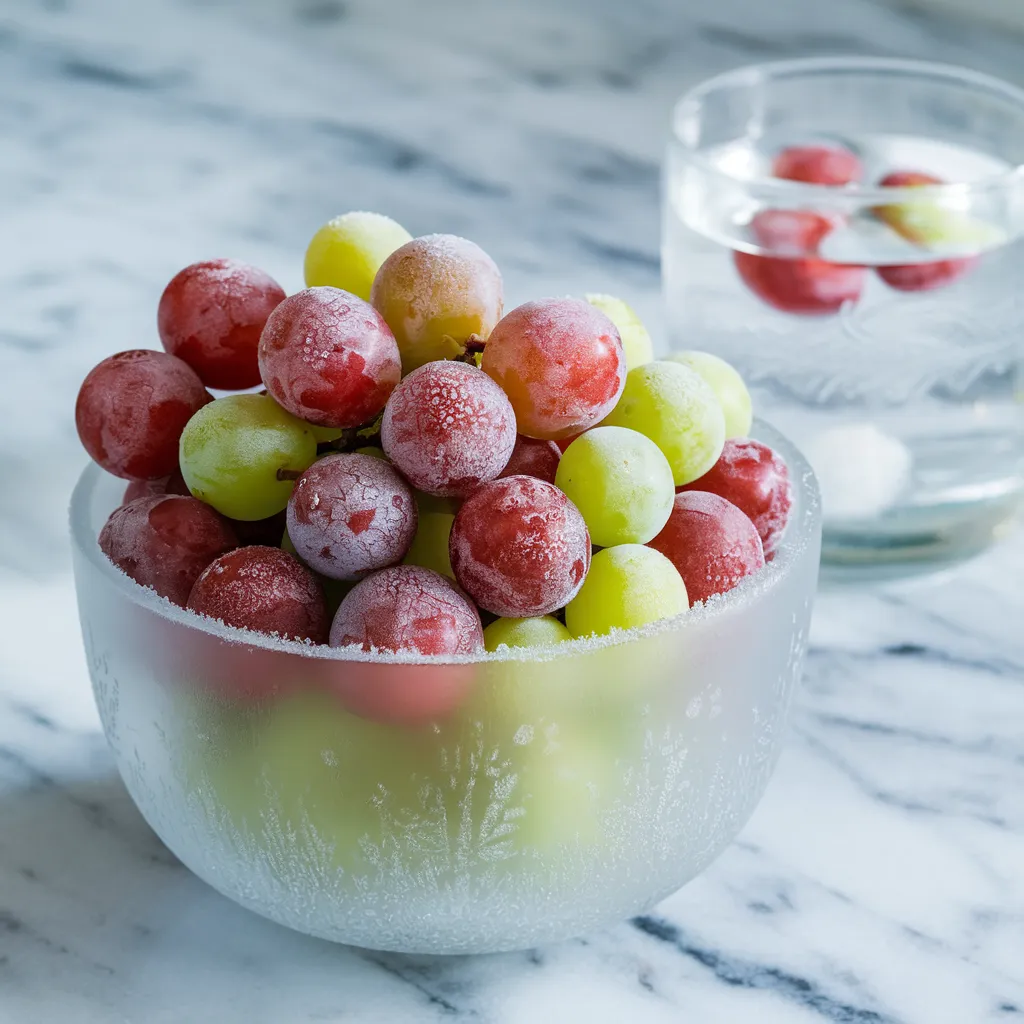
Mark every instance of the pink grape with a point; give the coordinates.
(712, 544)
(132, 408)
(408, 608)
(165, 541)
(756, 480)
(448, 428)
(263, 589)
(211, 314)
(520, 547)
(533, 457)
(818, 165)
(561, 363)
(351, 514)
(329, 358)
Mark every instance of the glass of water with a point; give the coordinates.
(848, 233)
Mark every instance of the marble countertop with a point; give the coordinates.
(882, 878)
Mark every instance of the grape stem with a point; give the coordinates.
(473, 347)
(288, 474)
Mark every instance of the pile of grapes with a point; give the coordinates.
(413, 459)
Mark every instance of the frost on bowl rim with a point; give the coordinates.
(804, 517)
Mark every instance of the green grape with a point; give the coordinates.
(677, 409)
(335, 591)
(621, 483)
(629, 585)
(635, 338)
(373, 451)
(538, 631)
(242, 454)
(347, 252)
(324, 435)
(429, 547)
(728, 386)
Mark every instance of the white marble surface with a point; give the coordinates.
(882, 879)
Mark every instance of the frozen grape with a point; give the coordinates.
(636, 341)
(678, 410)
(165, 541)
(211, 314)
(561, 363)
(351, 514)
(712, 544)
(818, 165)
(751, 476)
(520, 547)
(131, 410)
(329, 358)
(924, 277)
(448, 428)
(347, 251)
(629, 585)
(791, 232)
(242, 454)
(437, 293)
(621, 483)
(533, 457)
(263, 589)
(173, 484)
(408, 608)
(728, 386)
(536, 631)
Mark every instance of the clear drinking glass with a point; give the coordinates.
(570, 788)
(881, 328)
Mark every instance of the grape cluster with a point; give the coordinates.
(419, 464)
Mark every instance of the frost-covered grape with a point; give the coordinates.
(533, 457)
(448, 428)
(636, 341)
(535, 631)
(436, 293)
(211, 314)
(628, 585)
(561, 363)
(755, 479)
(242, 454)
(728, 386)
(347, 251)
(408, 608)
(519, 547)
(351, 514)
(329, 358)
(263, 589)
(620, 481)
(818, 165)
(131, 410)
(712, 544)
(173, 484)
(165, 541)
(678, 410)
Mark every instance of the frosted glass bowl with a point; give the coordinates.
(569, 789)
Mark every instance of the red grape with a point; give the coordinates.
(351, 514)
(329, 358)
(800, 286)
(790, 232)
(131, 410)
(263, 589)
(408, 608)
(817, 165)
(165, 541)
(211, 314)
(751, 476)
(173, 484)
(533, 457)
(520, 547)
(711, 543)
(561, 363)
(448, 428)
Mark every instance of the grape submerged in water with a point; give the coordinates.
(438, 293)
(211, 314)
(132, 409)
(818, 165)
(327, 357)
(242, 454)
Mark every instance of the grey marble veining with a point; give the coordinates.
(882, 878)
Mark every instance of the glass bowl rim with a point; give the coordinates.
(805, 521)
(791, 191)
